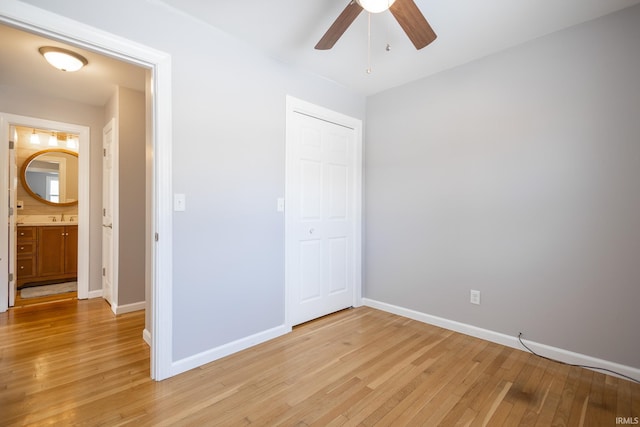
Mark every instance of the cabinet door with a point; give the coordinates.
(50, 257)
(26, 233)
(71, 249)
(25, 249)
(26, 267)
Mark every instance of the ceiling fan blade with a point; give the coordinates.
(413, 23)
(337, 29)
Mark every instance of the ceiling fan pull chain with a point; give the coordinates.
(386, 33)
(369, 45)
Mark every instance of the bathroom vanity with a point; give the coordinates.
(47, 253)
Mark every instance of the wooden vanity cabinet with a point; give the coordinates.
(51, 254)
(71, 250)
(51, 248)
(26, 254)
(57, 256)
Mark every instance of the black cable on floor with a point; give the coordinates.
(572, 364)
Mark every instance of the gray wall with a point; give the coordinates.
(131, 266)
(516, 175)
(24, 103)
(128, 107)
(228, 158)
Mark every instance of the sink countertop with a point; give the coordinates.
(40, 224)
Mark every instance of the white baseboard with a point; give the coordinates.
(95, 294)
(208, 356)
(506, 340)
(146, 336)
(128, 308)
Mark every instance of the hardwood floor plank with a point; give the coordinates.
(581, 399)
(24, 302)
(635, 401)
(556, 378)
(75, 363)
(437, 373)
(624, 399)
(432, 415)
(522, 394)
(599, 411)
(493, 401)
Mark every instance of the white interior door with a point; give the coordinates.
(322, 216)
(109, 197)
(13, 188)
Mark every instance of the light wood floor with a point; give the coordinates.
(21, 302)
(74, 363)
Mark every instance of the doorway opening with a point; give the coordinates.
(48, 224)
(158, 232)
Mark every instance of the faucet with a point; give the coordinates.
(62, 217)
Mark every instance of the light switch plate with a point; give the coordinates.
(179, 202)
(280, 204)
(474, 297)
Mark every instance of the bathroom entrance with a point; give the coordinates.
(48, 210)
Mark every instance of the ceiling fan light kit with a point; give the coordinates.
(375, 6)
(406, 12)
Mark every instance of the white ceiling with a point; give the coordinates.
(288, 30)
(467, 30)
(21, 65)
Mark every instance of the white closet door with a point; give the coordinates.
(321, 217)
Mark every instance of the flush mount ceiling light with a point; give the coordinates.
(63, 59)
(375, 6)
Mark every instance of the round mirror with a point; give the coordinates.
(51, 176)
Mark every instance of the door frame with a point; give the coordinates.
(115, 208)
(159, 126)
(12, 188)
(6, 121)
(298, 106)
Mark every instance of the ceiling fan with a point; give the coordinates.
(406, 13)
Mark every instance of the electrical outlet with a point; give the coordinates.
(474, 297)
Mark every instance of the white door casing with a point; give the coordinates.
(13, 187)
(110, 214)
(323, 211)
(4, 214)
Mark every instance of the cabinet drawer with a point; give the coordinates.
(26, 267)
(26, 248)
(26, 233)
